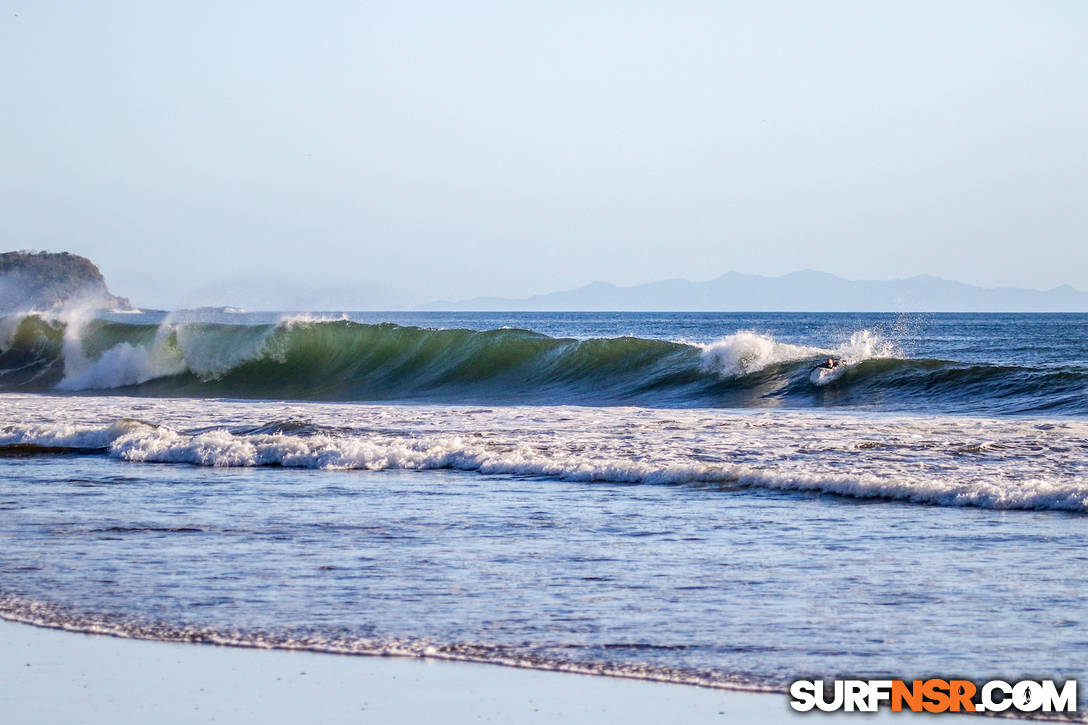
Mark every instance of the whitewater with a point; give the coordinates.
(995, 463)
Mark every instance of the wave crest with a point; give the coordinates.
(747, 352)
(308, 358)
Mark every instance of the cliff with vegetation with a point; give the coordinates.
(49, 281)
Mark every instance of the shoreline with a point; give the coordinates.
(84, 625)
(52, 675)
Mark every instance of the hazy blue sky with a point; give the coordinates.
(363, 154)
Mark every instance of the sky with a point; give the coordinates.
(370, 155)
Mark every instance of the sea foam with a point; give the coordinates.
(946, 461)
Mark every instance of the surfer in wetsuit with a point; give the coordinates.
(830, 364)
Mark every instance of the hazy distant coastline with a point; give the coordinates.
(48, 281)
(797, 292)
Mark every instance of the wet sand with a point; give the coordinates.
(53, 676)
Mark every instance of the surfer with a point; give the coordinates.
(830, 364)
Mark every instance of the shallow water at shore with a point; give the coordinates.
(704, 581)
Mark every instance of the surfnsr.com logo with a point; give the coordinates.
(933, 695)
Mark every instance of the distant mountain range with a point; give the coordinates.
(800, 291)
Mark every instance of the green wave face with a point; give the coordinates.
(343, 360)
(346, 360)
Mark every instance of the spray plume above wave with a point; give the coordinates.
(314, 358)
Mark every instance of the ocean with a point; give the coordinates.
(677, 497)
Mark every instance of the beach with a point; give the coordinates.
(52, 676)
(543, 362)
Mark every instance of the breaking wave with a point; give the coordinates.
(307, 358)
